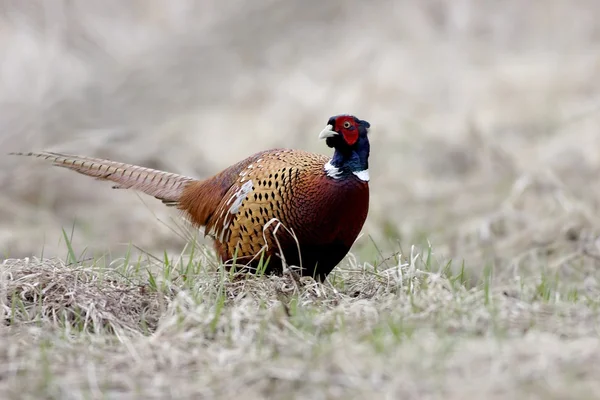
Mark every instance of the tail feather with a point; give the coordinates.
(165, 186)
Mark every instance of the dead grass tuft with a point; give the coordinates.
(87, 298)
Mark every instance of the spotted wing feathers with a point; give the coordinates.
(261, 197)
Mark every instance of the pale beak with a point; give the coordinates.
(327, 132)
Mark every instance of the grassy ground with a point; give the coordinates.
(485, 158)
(182, 329)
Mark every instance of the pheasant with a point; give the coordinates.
(277, 207)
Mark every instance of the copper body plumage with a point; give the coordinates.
(277, 207)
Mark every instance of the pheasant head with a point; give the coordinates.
(348, 136)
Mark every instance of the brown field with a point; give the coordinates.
(476, 275)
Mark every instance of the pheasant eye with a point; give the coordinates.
(347, 124)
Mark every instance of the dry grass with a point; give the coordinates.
(413, 330)
(485, 145)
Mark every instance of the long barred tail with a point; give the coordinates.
(165, 186)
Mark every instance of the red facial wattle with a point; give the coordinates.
(350, 135)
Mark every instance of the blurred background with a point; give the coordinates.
(485, 113)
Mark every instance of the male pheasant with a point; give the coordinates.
(276, 206)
